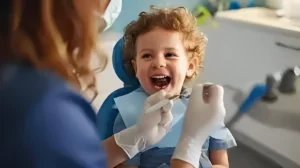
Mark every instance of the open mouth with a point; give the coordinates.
(161, 82)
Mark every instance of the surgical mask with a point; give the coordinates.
(112, 12)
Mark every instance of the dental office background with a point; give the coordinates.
(131, 9)
(244, 47)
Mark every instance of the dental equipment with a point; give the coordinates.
(266, 92)
(161, 104)
(276, 84)
(164, 102)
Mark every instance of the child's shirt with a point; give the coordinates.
(160, 157)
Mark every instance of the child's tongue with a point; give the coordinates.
(161, 83)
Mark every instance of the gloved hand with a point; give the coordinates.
(205, 112)
(150, 128)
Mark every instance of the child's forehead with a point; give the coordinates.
(159, 37)
(159, 31)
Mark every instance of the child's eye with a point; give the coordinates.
(146, 56)
(170, 55)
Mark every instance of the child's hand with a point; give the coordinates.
(204, 113)
(150, 128)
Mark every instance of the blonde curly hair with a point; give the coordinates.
(173, 19)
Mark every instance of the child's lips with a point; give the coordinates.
(160, 81)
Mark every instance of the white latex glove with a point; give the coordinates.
(202, 116)
(150, 128)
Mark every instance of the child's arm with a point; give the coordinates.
(125, 166)
(219, 142)
(219, 158)
(176, 163)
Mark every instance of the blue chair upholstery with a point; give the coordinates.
(107, 112)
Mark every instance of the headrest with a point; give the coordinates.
(119, 66)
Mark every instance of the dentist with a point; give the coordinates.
(44, 120)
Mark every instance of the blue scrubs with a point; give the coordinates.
(44, 123)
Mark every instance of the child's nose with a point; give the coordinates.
(159, 62)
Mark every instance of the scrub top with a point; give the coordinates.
(44, 123)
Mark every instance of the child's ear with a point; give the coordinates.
(133, 63)
(192, 67)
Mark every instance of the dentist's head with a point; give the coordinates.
(58, 35)
(46, 45)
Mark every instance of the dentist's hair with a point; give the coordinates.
(57, 35)
(172, 19)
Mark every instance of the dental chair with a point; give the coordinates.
(108, 112)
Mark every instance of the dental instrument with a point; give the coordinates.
(164, 102)
(161, 104)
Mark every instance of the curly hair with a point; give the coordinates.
(56, 35)
(172, 19)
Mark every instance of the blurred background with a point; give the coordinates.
(250, 42)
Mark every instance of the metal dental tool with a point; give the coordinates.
(164, 102)
(161, 104)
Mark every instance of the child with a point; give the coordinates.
(166, 50)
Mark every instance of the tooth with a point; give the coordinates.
(159, 77)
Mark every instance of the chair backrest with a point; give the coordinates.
(108, 112)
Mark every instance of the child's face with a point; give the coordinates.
(162, 62)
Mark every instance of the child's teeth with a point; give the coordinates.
(158, 77)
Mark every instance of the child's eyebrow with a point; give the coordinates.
(170, 48)
(145, 49)
(151, 50)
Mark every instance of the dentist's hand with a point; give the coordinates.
(150, 128)
(205, 112)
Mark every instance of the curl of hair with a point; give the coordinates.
(172, 19)
(56, 35)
